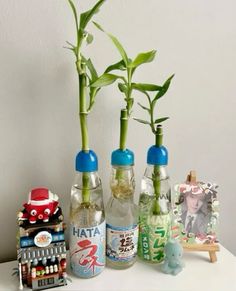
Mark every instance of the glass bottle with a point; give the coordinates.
(155, 204)
(122, 213)
(87, 218)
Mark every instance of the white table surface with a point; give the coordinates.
(199, 274)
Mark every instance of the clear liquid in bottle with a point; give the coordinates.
(87, 226)
(121, 219)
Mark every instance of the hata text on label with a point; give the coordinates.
(86, 232)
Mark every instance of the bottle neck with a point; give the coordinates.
(152, 169)
(88, 180)
(122, 182)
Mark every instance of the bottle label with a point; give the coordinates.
(87, 250)
(153, 235)
(122, 242)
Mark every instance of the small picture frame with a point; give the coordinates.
(195, 212)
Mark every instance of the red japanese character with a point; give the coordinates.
(87, 254)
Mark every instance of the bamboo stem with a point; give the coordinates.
(157, 174)
(129, 92)
(159, 136)
(83, 110)
(83, 126)
(157, 190)
(85, 189)
(123, 128)
(123, 137)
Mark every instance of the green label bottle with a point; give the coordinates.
(155, 204)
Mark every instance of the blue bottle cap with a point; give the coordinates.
(86, 161)
(122, 158)
(157, 156)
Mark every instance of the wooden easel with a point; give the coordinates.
(211, 248)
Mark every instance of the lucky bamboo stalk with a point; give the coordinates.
(125, 84)
(84, 66)
(156, 128)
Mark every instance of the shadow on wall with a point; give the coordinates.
(40, 133)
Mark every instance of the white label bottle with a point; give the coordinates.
(87, 218)
(122, 213)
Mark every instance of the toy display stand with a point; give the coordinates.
(41, 247)
(212, 248)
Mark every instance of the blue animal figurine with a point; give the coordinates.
(173, 254)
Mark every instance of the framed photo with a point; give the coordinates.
(195, 213)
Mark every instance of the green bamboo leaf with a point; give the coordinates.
(92, 94)
(99, 26)
(70, 48)
(146, 87)
(143, 58)
(117, 66)
(159, 120)
(116, 43)
(87, 15)
(89, 38)
(142, 121)
(92, 70)
(70, 44)
(144, 92)
(122, 87)
(143, 107)
(105, 80)
(163, 89)
(75, 13)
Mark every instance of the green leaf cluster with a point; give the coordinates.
(85, 66)
(126, 65)
(90, 80)
(159, 91)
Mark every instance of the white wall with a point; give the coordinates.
(39, 127)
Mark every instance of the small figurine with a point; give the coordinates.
(41, 205)
(41, 247)
(173, 253)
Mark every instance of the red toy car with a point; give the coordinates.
(42, 204)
